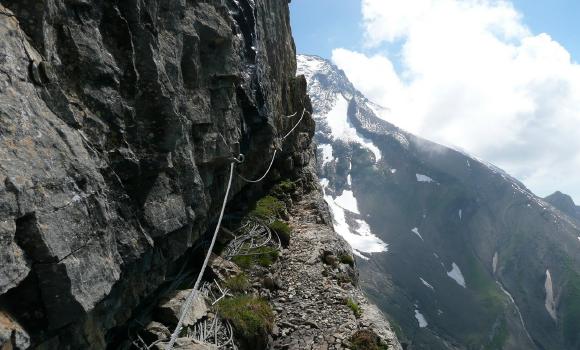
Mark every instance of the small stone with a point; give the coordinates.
(269, 282)
(170, 308)
(223, 269)
(158, 330)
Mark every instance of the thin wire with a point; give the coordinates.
(290, 116)
(185, 308)
(295, 126)
(265, 174)
(275, 151)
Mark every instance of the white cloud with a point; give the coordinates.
(473, 75)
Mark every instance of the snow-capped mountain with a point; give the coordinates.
(458, 253)
(330, 94)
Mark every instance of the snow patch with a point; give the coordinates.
(342, 129)
(416, 231)
(456, 275)
(327, 156)
(361, 238)
(460, 214)
(424, 178)
(420, 318)
(393, 171)
(308, 66)
(349, 180)
(426, 284)
(363, 228)
(347, 201)
(550, 302)
(494, 262)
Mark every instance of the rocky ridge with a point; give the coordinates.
(319, 279)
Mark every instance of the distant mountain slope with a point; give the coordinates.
(457, 252)
(564, 203)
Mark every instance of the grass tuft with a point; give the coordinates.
(347, 259)
(283, 230)
(356, 309)
(268, 207)
(249, 315)
(263, 256)
(283, 189)
(366, 340)
(238, 284)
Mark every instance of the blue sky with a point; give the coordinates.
(481, 75)
(319, 26)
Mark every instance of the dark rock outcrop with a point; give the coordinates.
(118, 120)
(564, 203)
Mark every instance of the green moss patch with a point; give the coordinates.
(250, 316)
(283, 189)
(263, 256)
(356, 309)
(283, 231)
(346, 259)
(268, 207)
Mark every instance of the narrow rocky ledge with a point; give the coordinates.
(319, 282)
(282, 279)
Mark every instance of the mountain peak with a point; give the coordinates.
(324, 80)
(564, 203)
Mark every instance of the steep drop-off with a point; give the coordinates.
(118, 121)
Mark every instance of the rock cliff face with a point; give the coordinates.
(118, 120)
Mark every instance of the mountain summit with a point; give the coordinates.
(458, 253)
(565, 203)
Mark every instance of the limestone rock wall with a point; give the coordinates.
(118, 120)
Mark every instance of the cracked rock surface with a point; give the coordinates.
(118, 120)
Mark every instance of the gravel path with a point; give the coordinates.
(311, 310)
